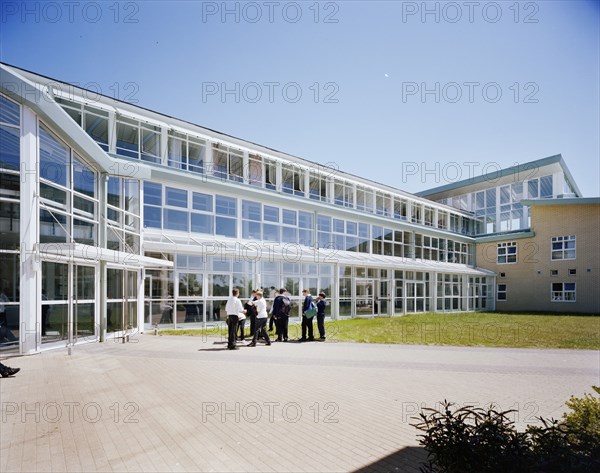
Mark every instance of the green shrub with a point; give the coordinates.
(476, 440)
(583, 423)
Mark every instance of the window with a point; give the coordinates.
(202, 202)
(271, 214)
(292, 177)
(563, 247)
(226, 206)
(546, 187)
(400, 211)
(289, 229)
(343, 194)
(554, 272)
(270, 174)
(255, 170)
(563, 292)
(306, 225)
(137, 140)
(176, 197)
(572, 272)
(364, 199)
(228, 163)
(502, 275)
(507, 253)
(251, 220)
(533, 189)
(317, 186)
(501, 292)
(10, 121)
(383, 204)
(186, 152)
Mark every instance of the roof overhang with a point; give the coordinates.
(567, 201)
(86, 253)
(291, 253)
(498, 177)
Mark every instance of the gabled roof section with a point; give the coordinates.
(511, 174)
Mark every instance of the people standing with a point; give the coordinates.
(250, 309)
(307, 322)
(261, 320)
(273, 318)
(321, 303)
(233, 308)
(281, 312)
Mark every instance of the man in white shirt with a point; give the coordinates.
(233, 308)
(261, 320)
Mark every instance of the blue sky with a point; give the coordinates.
(404, 93)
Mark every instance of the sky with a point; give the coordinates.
(410, 94)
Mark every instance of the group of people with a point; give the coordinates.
(256, 311)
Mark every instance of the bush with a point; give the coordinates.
(477, 440)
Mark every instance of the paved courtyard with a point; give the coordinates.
(163, 403)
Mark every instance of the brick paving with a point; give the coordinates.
(188, 404)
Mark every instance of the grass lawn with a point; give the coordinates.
(460, 329)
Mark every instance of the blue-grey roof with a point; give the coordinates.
(567, 201)
(495, 175)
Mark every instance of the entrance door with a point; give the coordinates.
(68, 303)
(415, 296)
(121, 305)
(84, 298)
(365, 302)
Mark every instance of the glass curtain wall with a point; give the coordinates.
(10, 183)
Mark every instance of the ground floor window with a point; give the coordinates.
(449, 292)
(9, 301)
(501, 295)
(58, 299)
(563, 292)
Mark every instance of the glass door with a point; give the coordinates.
(121, 296)
(84, 303)
(415, 296)
(365, 303)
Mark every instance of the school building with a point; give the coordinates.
(115, 218)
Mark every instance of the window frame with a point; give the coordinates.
(506, 246)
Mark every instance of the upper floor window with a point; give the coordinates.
(343, 194)
(228, 163)
(364, 199)
(186, 152)
(507, 252)
(138, 140)
(255, 170)
(563, 247)
(318, 186)
(93, 120)
(292, 179)
(10, 121)
(546, 184)
(383, 204)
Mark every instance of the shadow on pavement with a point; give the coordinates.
(405, 460)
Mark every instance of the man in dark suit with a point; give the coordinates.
(281, 313)
(251, 312)
(307, 323)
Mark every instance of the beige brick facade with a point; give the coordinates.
(529, 280)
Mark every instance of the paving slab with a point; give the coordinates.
(166, 403)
